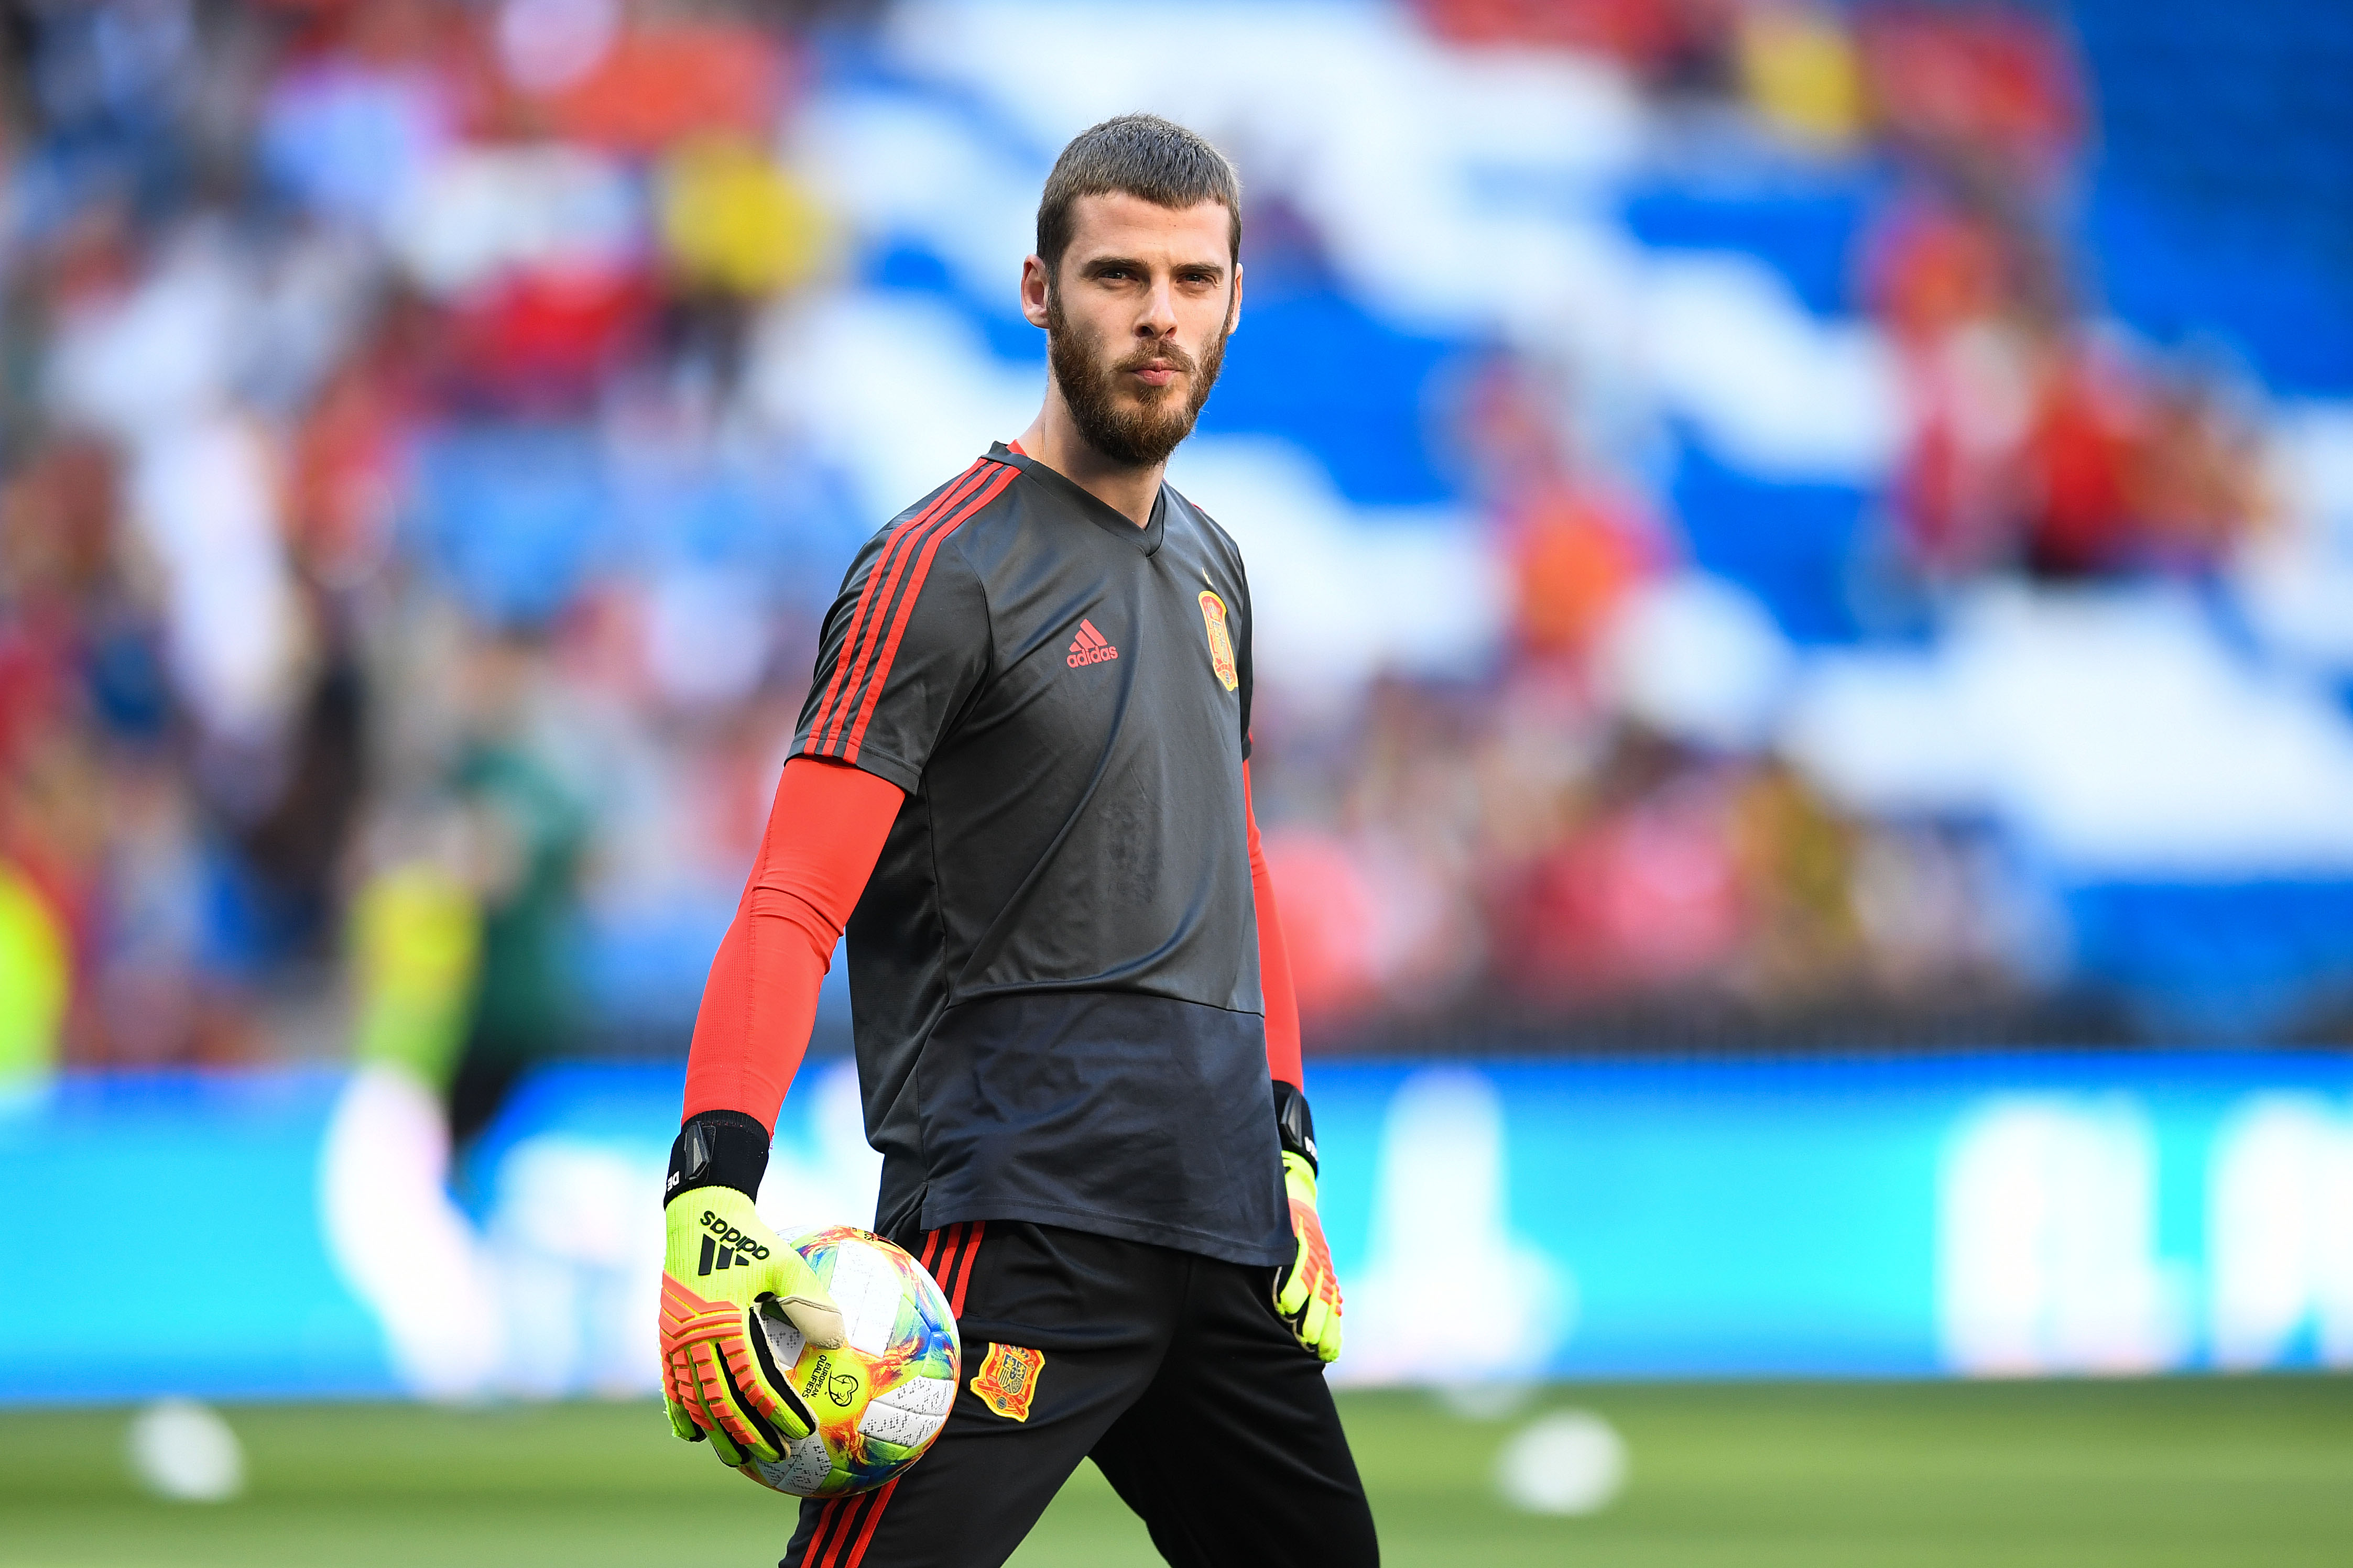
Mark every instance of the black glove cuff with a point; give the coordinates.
(1293, 1124)
(717, 1149)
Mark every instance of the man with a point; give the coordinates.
(1021, 783)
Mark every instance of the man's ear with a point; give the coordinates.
(1234, 311)
(1035, 281)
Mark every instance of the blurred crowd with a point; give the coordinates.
(1546, 849)
(402, 569)
(388, 565)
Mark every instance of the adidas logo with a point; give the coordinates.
(727, 1248)
(1090, 647)
(717, 1257)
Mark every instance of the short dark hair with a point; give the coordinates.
(1141, 155)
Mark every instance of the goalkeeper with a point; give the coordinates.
(1020, 783)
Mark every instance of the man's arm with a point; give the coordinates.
(1273, 960)
(722, 1263)
(1307, 1295)
(824, 835)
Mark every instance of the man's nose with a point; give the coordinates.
(1160, 317)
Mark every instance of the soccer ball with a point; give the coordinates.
(881, 1398)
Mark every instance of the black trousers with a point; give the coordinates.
(1170, 1369)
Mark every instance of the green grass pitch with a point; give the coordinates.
(2255, 1471)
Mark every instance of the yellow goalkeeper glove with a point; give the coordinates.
(722, 1265)
(1307, 1293)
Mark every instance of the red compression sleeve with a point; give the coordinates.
(825, 833)
(1273, 960)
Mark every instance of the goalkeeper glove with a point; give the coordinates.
(722, 1265)
(1307, 1293)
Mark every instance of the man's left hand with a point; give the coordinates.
(1308, 1297)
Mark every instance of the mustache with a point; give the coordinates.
(1166, 351)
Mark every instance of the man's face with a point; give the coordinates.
(1136, 321)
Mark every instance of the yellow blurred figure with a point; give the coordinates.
(417, 939)
(1799, 64)
(734, 220)
(36, 980)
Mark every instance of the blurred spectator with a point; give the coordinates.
(1942, 279)
(1641, 893)
(416, 946)
(35, 972)
(2076, 464)
(525, 837)
(1799, 64)
(1974, 84)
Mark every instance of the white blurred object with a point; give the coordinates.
(2114, 725)
(898, 165)
(2295, 578)
(162, 354)
(1570, 1463)
(218, 319)
(2046, 1243)
(2279, 1235)
(183, 1452)
(576, 1237)
(204, 497)
(548, 45)
(484, 210)
(707, 636)
(352, 140)
(898, 388)
(398, 1241)
(1779, 395)
(1449, 1293)
(2300, 598)
(1699, 658)
(2314, 459)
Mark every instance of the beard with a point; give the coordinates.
(1139, 432)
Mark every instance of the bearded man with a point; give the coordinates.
(1021, 785)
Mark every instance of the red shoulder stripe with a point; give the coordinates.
(827, 736)
(946, 497)
(938, 531)
(874, 596)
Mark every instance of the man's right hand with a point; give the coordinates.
(719, 1379)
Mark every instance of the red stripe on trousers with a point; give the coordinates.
(873, 1518)
(963, 514)
(964, 1271)
(932, 1252)
(950, 1251)
(835, 1509)
(947, 498)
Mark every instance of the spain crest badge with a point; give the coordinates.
(1221, 646)
(1007, 1380)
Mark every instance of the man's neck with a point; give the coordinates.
(1054, 440)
